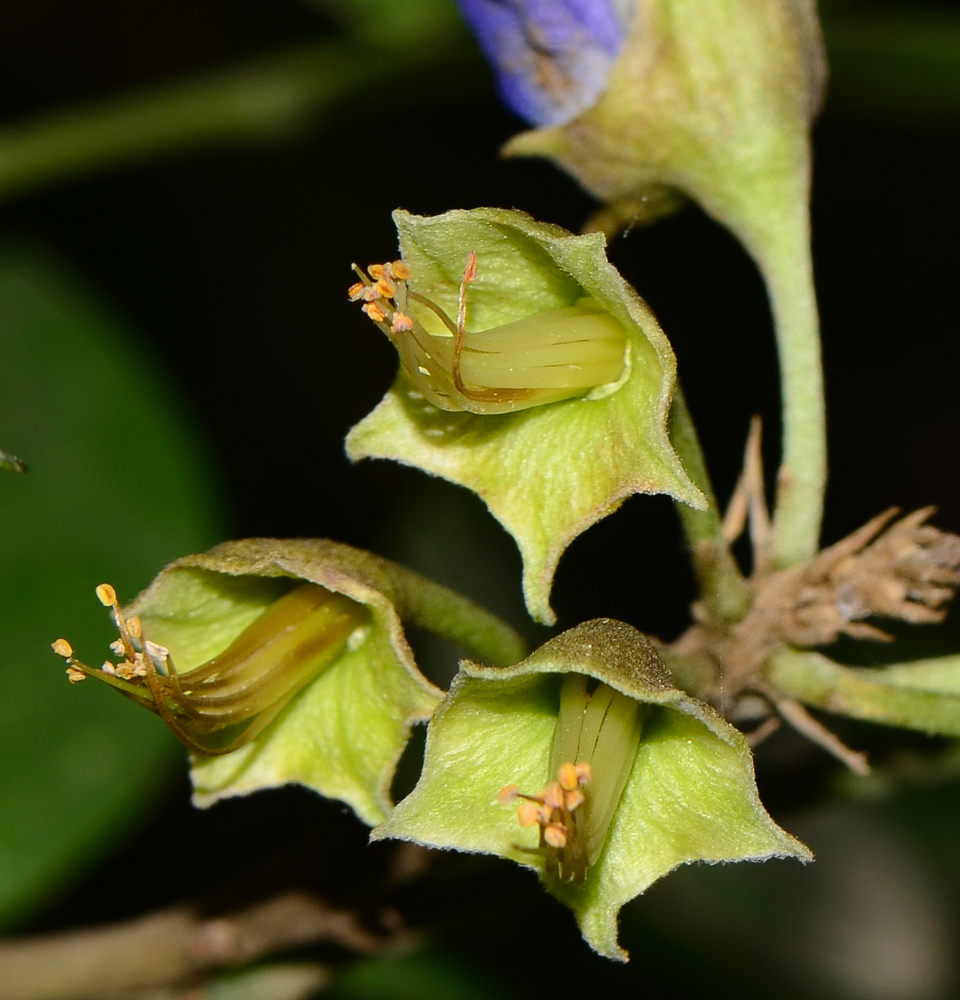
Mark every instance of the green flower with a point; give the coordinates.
(286, 661)
(548, 395)
(636, 776)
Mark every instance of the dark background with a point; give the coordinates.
(233, 266)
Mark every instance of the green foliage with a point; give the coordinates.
(115, 486)
(423, 976)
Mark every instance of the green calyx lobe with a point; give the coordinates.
(290, 664)
(670, 781)
(551, 469)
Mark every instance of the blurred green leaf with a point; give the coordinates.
(271, 97)
(397, 25)
(894, 63)
(116, 489)
(423, 976)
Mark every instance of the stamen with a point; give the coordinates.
(507, 795)
(553, 810)
(542, 358)
(374, 312)
(401, 323)
(529, 814)
(386, 288)
(246, 685)
(555, 834)
(594, 748)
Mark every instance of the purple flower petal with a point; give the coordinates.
(552, 57)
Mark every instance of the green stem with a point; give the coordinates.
(450, 615)
(784, 259)
(269, 98)
(921, 695)
(722, 587)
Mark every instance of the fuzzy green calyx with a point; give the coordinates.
(688, 795)
(546, 470)
(291, 664)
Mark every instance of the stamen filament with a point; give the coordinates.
(595, 746)
(247, 684)
(543, 358)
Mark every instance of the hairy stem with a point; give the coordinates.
(801, 481)
(722, 587)
(916, 695)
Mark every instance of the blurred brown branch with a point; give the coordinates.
(170, 947)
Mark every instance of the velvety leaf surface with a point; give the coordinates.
(116, 488)
(690, 796)
(546, 473)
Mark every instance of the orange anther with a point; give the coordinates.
(386, 288)
(528, 814)
(584, 773)
(573, 800)
(508, 794)
(401, 323)
(107, 595)
(376, 271)
(553, 796)
(555, 834)
(400, 270)
(568, 777)
(75, 676)
(62, 648)
(374, 312)
(356, 291)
